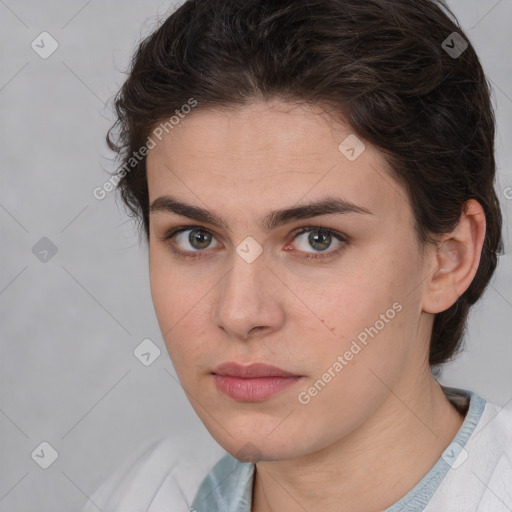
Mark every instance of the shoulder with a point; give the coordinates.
(490, 458)
(491, 440)
(482, 472)
(163, 475)
(494, 466)
(497, 420)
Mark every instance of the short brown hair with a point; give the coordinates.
(381, 64)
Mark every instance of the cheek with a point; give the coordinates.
(352, 366)
(363, 316)
(347, 304)
(179, 303)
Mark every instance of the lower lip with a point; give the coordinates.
(253, 390)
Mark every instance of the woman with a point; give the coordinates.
(315, 183)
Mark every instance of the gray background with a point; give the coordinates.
(69, 325)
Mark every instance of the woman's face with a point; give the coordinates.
(348, 323)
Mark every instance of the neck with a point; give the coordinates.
(374, 466)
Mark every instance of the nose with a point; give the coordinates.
(249, 300)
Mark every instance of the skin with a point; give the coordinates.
(382, 422)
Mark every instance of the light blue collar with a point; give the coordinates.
(228, 486)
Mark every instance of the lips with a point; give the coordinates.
(251, 371)
(252, 383)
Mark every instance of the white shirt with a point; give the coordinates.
(474, 474)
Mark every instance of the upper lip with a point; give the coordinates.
(253, 370)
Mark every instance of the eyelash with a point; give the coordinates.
(167, 238)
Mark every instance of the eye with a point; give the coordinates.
(190, 239)
(193, 240)
(319, 239)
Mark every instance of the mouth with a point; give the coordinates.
(252, 383)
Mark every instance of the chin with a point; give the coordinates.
(258, 446)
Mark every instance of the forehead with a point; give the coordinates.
(259, 130)
(268, 154)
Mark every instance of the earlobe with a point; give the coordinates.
(456, 260)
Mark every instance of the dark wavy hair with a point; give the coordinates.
(383, 66)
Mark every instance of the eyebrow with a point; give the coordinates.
(326, 206)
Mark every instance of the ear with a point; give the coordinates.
(456, 260)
